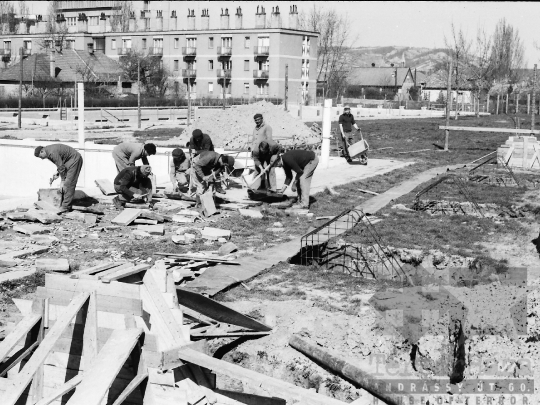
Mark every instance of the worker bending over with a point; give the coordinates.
(179, 170)
(199, 142)
(126, 153)
(68, 163)
(303, 163)
(133, 185)
(346, 123)
(264, 156)
(206, 168)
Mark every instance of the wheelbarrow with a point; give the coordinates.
(358, 150)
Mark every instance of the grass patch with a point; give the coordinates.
(20, 287)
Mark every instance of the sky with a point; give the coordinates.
(415, 24)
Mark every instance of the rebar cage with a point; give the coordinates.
(366, 257)
(494, 170)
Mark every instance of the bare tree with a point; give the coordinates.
(508, 53)
(334, 41)
(155, 78)
(56, 29)
(459, 50)
(121, 13)
(23, 8)
(8, 22)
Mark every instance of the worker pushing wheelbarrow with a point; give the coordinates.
(352, 147)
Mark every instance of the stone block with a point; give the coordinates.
(215, 233)
(227, 248)
(152, 229)
(45, 264)
(52, 196)
(30, 229)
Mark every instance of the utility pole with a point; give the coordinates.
(138, 93)
(19, 118)
(448, 104)
(224, 86)
(533, 100)
(286, 85)
(188, 99)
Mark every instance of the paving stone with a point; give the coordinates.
(30, 229)
(227, 248)
(215, 233)
(152, 229)
(46, 264)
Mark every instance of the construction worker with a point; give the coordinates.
(346, 123)
(179, 170)
(199, 142)
(266, 155)
(126, 153)
(262, 131)
(303, 163)
(68, 163)
(133, 184)
(206, 167)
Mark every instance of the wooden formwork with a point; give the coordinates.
(520, 151)
(116, 335)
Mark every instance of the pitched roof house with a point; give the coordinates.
(385, 77)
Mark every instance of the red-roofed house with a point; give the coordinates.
(397, 79)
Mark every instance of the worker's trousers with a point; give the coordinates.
(142, 187)
(120, 161)
(70, 182)
(303, 184)
(271, 177)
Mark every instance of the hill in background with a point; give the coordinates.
(423, 59)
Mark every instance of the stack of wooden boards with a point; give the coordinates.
(115, 334)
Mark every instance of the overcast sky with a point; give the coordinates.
(417, 24)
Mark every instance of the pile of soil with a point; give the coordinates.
(231, 127)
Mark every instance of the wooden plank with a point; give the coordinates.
(20, 331)
(26, 375)
(90, 335)
(95, 269)
(62, 390)
(140, 379)
(508, 154)
(198, 258)
(117, 275)
(116, 289)
(100, 377)
(106, 186)
(478, 129)
(126, 265)
(127, 216)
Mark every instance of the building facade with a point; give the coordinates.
(211, 61)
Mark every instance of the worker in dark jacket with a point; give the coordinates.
(206, 168)
(133, 184)
(303, 163)
(199, 142)
(179, 170)
(346, 124)
(266, 155)
(68, 163)
(126, 153)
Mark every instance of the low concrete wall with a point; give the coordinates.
(24, 174)
(310, 113)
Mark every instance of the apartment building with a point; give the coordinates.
(218, 56)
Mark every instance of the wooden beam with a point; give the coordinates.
(90, 334)
(272, 386)
(502, 130)
(100, 377)
(24, 378)
(20, 331)
(115, 288)
(117, 275)
(62, 390)
(134, 384)
(95, 269)
(123, 266)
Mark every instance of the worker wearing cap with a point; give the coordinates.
(206, 167)
(303, 163)
(262, 131)
(179, 170)
(199, 142)
(346, 123)
(126, 153)
(266, 155)
(133, 184)
(68, 163)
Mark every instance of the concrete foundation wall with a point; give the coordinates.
(24, 174)
(310, 113)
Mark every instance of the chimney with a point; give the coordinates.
(173, 23)
(191, 19)
(52, 65)
(82, 23)
(102, 23)
(132, 22)
(224, 20)
(205, 19)
(293, 18)
(260, 17)
(238, 24)
(276, 18)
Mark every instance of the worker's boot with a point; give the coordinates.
(117, 203)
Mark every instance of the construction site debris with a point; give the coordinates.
(145, 222)
(46, 264)
(227, 248)
(106, 186)
(183, 219)
(152, 229)
(52, 196)
(250, 213)
(275, 230)
(367, 191)
(215, 233)
(232, 127)
(31, 229)
(137, 205)
(46, 206)
(207, 203)
(90, 210)
(127, 216)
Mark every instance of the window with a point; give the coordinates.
(194, 87)
(264, 65)
(262, 89)
(246, 88)
(93, 21)
(126, 43)
(210, 42)
(70, 44)
(247, 42)
(113, 43)
(28, 45)
(191, 42)
(210, 88)
(71, 21)
(144, 43)
(175, 66)
(226, 42)
(210, 65)
(176, 42)
(246, 65)
(7, 45)
(263, 41)
(226, 65)
(158, 42)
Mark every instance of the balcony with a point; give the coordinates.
(260, 74)
(123, 51)
(224, 51)
(26, 51)
(224, 73)
(5, 52)
(261, 51)
(189, 51)
(191, 73)
(155, 51)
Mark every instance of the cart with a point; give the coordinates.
(358, 150)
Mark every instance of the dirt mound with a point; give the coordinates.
(230, 127)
